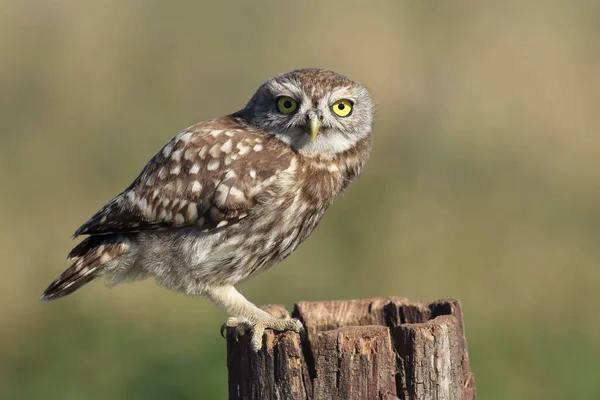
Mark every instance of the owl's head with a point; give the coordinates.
(317, 112)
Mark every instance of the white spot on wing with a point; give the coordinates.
(243, 149)
(195, 169)
(236, 194)
(150, 180)
(105, 258)
(142, 203)
(167, 150)
(196, 187)
(176, 169)
(176, 155)
(215, 151)
(221, 194)
(192, 213)
(215, 132)
(213, 165)
(258, 147)
(226, 148)
(222, 223)
(179, 220)
(189, 155)
(185, 137)
(202, 153)
(253, 173)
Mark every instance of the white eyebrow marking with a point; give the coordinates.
(344, 92)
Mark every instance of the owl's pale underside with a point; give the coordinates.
(229, 197)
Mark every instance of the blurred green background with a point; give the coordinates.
(484, 183)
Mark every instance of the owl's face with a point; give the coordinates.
(317, 112)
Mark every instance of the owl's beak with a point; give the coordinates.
(314, 123)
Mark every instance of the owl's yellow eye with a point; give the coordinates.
(342, 107)
(286, 105)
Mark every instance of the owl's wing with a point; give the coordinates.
(209, 176)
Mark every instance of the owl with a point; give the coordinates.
(229, 197)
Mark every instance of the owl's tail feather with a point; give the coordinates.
(89, 255)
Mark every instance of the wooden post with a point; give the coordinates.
(383, 348)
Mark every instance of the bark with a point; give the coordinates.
(384, 348)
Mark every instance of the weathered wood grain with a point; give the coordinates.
(383, 348)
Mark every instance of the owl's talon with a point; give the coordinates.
(298, 327)
(240, 327)
(240, 330)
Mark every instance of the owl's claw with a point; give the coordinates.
(243, 327)
(240, 327)
(241, 330)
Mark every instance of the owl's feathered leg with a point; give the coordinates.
(248, 317)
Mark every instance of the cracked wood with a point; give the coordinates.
(384, 348)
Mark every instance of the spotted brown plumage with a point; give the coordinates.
(204, 177)
(230, 197)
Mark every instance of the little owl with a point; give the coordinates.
(228, 198)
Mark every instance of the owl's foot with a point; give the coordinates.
(243, 326)
(251, 319)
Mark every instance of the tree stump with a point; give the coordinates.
(384, 348)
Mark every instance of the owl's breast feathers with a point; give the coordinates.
(213, 174)
(323, 179)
